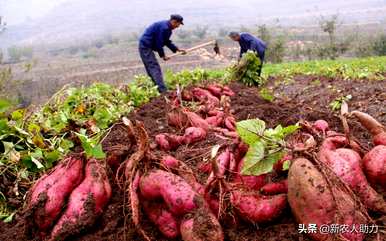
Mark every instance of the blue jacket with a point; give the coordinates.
(156, 36)
(250, 42)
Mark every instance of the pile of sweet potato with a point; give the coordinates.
(69, 198)
(331, 178)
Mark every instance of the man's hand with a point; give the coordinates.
(182, 51)
(166, 58)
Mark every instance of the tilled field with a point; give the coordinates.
(307, 98)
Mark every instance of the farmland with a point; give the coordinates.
(88, 120)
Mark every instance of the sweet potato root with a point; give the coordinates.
(201, 225)
(251, 182)
(376, 129)
(257, 208)
(196, 120)
(314, 201)
(178, 195)
(205, 96)
(159, 214)
(48, 195)
(86, 202)
(346, 163)
(321, 126)
(169, 142)
(275, 188)
(194, 134)
(374, 164)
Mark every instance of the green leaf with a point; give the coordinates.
(97, 152)
(51, 157)
(250, 130)
(266, 164)
(254, 155)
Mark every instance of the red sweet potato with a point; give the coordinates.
(227, 91)
(201, 225)
(177, 118)
(230, 123)
(170, 162)
(251, 182)
(178, 195)
(86, 202)
(222, 161)
(275, 187)
(380, 139)
(312, 201)
(205, 96)
(376, 129)
(321, 126)
(374, 164)
(215, 90)
(169, 142)
(48, 195)
(196, 120)
(194, 134)
(159, 214)
(216, 120)
(257, 208)
(346, 164)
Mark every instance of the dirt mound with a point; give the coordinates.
(307, 98)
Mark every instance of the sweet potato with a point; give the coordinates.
(321, 126)
(178, 195)
(376, 129)
(257, 208)
(86, 202)
(222, 161)
(227, 91)
(201, 225)
(205, 96)
(169, 142)
(170, 162)
(194, 134)
(230, 123)
(251, 182)
(48, 195)
(275, 187)
(374, 164)
(159, 214)
(314, 201)
(196, 120)
(215, 90)
(346, 164)
(216, 120)
(177, 118)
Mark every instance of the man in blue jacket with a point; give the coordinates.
(249, 42)
(155, 37)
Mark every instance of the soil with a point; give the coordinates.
(307, 98)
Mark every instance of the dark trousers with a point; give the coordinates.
(152, 67)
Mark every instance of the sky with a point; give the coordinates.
(17, 11)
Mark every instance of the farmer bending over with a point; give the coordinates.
(249, 42)
(155, 37)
